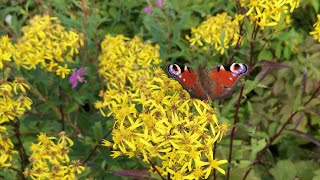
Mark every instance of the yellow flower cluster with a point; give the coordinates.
(14, 102)
(6, 151)
(316, 32)
(50, 160)
(155, 119)
(269, 12)
(122, 60)
(13, 99)
(46, 42)
(6, 50)
(218, 31)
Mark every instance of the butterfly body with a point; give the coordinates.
(216, 83)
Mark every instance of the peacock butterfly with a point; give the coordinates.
(216, 83)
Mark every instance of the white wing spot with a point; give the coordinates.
(183, 79)
(230, 78)
(180, 76)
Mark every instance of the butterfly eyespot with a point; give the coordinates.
(174, 69)
(238, 68)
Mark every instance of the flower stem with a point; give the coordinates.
(233, 131)
(22, 150)
(95, 148)
(155, 168)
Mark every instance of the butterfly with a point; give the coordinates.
(217, 83)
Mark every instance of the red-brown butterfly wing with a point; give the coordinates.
(188, 78)
(224, 78)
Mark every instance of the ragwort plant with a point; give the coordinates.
(155, 119)
(45, 43)
(149, 121)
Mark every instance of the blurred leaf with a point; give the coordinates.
(287, 52)
(244, 163)
(315, 4)
(265, 54)
(257, 146)
(97, 130)
(250, 86)
(316, 175)
(284, 169)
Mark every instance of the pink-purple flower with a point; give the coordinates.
(76, 77)
(159, 3)
(148, 9)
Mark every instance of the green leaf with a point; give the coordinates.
(97, 130)
(284, 169)
(287, 52)
(256, 147)
(249, 107)
(278, 49)
(244, 163)
(250, 86)
(317, 174)
(265, 54)
(298, 99)
(305, 167)
(315, 4)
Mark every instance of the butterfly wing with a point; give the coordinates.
(224, 78)
(188, 78)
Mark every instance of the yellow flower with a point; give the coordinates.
(268, 13)
(214, 164)
(76, 167)
(316, 32)
(6, 50)
(47, 44)
(106, 143)
(50, 159)
(64, 139)
(63, 71)
(6, 150)
(14, 101)
(155, 119)
(220, 32)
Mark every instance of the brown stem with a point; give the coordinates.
(253, 38)
(233, 131)
(61, 117)
(7, 30)
(155, 168)
(22, 150)
(84, 8)
(274, 137)
(95, 148)
(214, 157)
(238, 43)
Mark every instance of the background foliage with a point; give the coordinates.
(276, 133)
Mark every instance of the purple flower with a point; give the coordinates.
(148, 9)
(159, 3)
(76, 77)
